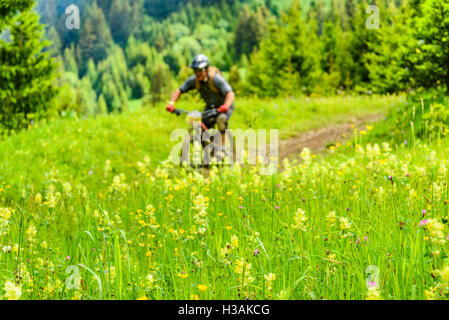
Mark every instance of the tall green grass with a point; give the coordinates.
(138, 228)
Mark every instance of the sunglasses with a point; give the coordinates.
(199, 70)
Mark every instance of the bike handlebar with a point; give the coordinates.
(178, 112)
(209, 113)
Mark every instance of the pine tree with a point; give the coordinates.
(139, 82)
(328, 60)
(27, 74)
(159, 81)
(249, 32)
(387, 59)
(70, 64)
(121, 21)
(56, 45)
(288, 57)
(112, 80)
(235, 79)
(431, 54)
(92, 72)
(95, 39)
(102, 107)
(317, 11)
(137, 52)
(9, 9)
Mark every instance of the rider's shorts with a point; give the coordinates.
(209, 123)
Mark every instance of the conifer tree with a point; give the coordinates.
(27, 74)
(249, 32)
(288, 57)
(70, 64)
(431, 53)
(95, 39)
(121, 21)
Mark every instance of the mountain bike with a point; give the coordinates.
(211, 150)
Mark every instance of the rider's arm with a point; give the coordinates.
(175, 96)
(229, 99)
(186, 86)
(171, 105)
(224, 87)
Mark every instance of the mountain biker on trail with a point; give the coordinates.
(215, 91)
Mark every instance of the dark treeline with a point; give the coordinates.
(134, 49)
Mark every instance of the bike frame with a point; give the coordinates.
(179, 112)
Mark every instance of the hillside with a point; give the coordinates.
(351, 203)
(137, 228)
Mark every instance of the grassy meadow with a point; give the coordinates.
(90, 209)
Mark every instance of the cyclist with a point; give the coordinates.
(214, 90)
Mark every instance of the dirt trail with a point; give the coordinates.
(317, 140)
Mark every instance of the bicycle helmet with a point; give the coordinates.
(200, 61)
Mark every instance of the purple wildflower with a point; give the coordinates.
(423, 222)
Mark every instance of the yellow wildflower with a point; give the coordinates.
(234, 242)
(202, 287)
(12, 291)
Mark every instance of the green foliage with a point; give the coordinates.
(424, 116)
(431, 56)
(416, 56)
(139, 83)
(95, 39)
(267, 48)
(386, 61)
(76, 185)
(226, 31)
(102, 107)
(160, 81)
(122, 21)
(138, 52)
(251, 27)
(70, 64)
(112, 80)
(56, 46)
(9, 8)
(27, 75)
(286, 62)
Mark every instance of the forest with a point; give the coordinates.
(137, 49)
